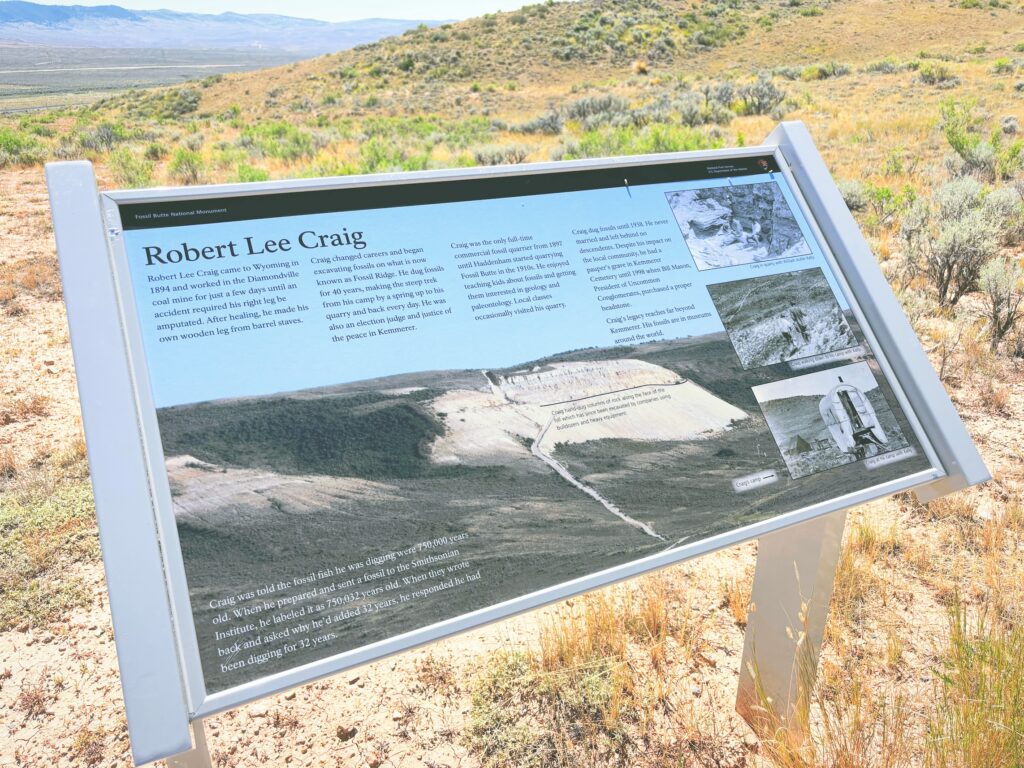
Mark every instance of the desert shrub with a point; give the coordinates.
(508, 154)
(722, 93)
(36, 126)
(155, 151)
(171, 104)
(959, 197)
(194, 141)
(933, 73)
(990, 157)
(886, 66)
(1003, 66)
(463, 133)
(277, 139)
(571, 703)
(67, 149)
(103, 137)
(48, 524)
(550, 123)
(761, 96)
(378, 155)
(824, 71)
(789, 73)
(915, 235)
(970, 224)
(496, 731)
(1004, 207)
(650, 139)
(1000, 281)
(854, 193)
(18, 149)
(955, 258)
(130, 170)
(710, 105)
(598, 110)
(1009, 125)
(690, 109)
(246, 173)
(885, 203)
(187, 167)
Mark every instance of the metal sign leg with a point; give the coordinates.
(198, 756)
(793, 580)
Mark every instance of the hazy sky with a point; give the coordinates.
(329, 11)
(818, 384)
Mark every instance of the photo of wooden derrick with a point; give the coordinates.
(851, 420)
(852, 425)
(829, 418)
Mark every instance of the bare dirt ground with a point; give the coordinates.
(411, 710)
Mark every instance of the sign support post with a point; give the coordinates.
(793, 580)
(199, 755)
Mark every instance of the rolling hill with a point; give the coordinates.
(111, 26)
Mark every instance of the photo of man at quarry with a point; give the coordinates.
(732, 225)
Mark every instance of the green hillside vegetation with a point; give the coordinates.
(368, 435)
(429, 98)
(549, 34)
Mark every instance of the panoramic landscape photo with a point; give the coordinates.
(542, 473)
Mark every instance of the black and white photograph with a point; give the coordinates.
(777, 318)
(733, 225)
(829, 418)
(437, 493)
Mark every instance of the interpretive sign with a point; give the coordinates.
(376, 411)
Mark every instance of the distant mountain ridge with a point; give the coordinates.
(111, 26)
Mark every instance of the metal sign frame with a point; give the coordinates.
(154, 632)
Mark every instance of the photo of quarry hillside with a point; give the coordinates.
(541, 473)
(784, 317)
(728, 226)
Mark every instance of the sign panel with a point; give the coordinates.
(351, 416)
(378, 409)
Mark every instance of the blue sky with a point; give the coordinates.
(292, 357)
(328, 11)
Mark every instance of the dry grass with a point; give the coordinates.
(89, 746)
(47, 523)
(34, 276)
(979, 715)
(436, 677)
(35, 696)
(735, 592)
(8, 464)
(606, 684)
(24, 408)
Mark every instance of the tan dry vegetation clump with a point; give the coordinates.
(923, 645)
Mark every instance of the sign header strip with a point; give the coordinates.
(178, 213)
